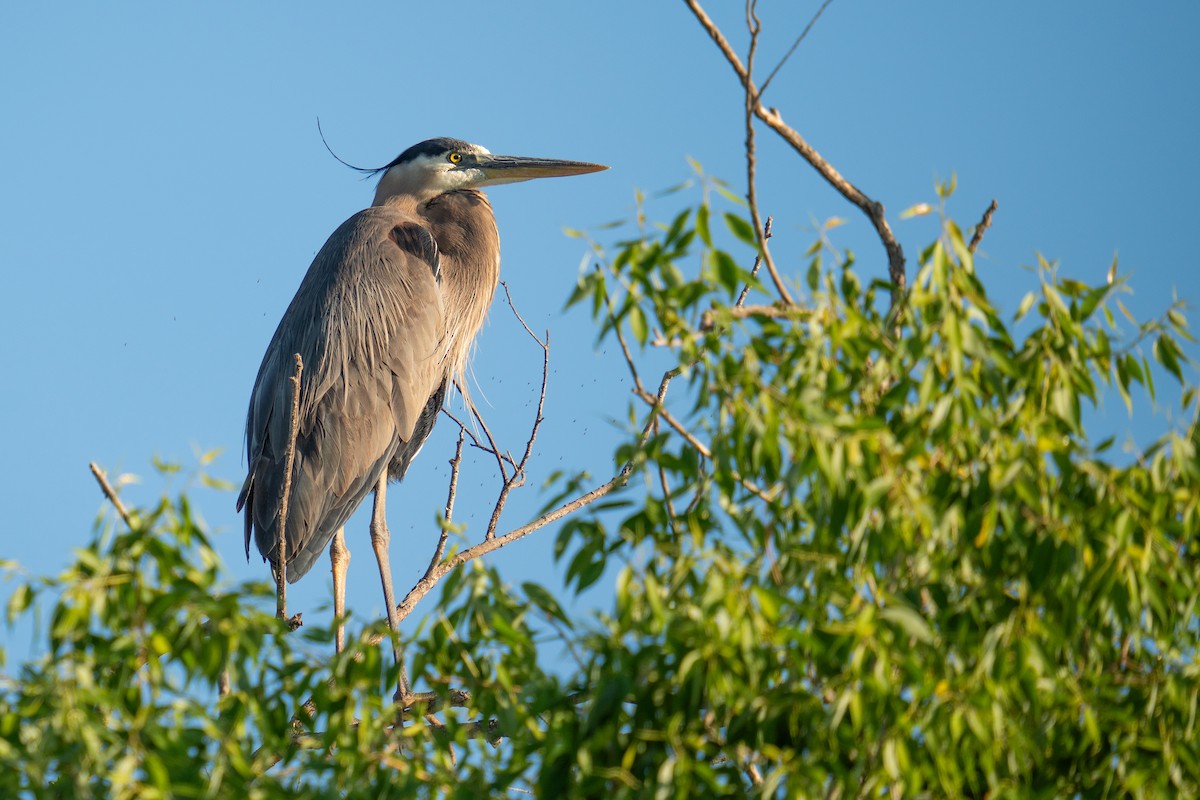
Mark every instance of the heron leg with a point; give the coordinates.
(339, 558)
(380, 537)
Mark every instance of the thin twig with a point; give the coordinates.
(672, 518)
(703, 449)
(795, 44)
(110, 493)
(982, 227)
(495, 448)
(445, 532)
(873, 209)
(612, 319)
(285, 495)
(766, 234)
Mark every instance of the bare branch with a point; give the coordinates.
(982, 227)
(492, 446)
(110, 493)
(520, 319)
(873, 210)
(612, 318)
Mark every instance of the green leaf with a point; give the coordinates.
(638, 325)
(910, 621)
(742, 229)
(702, 227)
(18, 601)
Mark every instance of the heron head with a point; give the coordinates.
(437, 166)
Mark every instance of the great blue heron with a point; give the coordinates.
(384, 321)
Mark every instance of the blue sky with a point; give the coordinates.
(164, 189)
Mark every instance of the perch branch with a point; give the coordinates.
(431, 578)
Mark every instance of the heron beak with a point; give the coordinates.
(510, 169)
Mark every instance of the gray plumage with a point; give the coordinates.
(384, 321)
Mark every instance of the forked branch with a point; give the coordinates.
(772, 119)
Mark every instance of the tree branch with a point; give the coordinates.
(110, 493)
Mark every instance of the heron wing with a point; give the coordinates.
(368, 323)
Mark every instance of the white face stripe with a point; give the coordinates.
(429, 175)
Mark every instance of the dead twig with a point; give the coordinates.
(766, 234)
(285, 496)
(981, 228)
(110, 493)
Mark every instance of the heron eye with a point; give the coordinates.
(455, 158)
